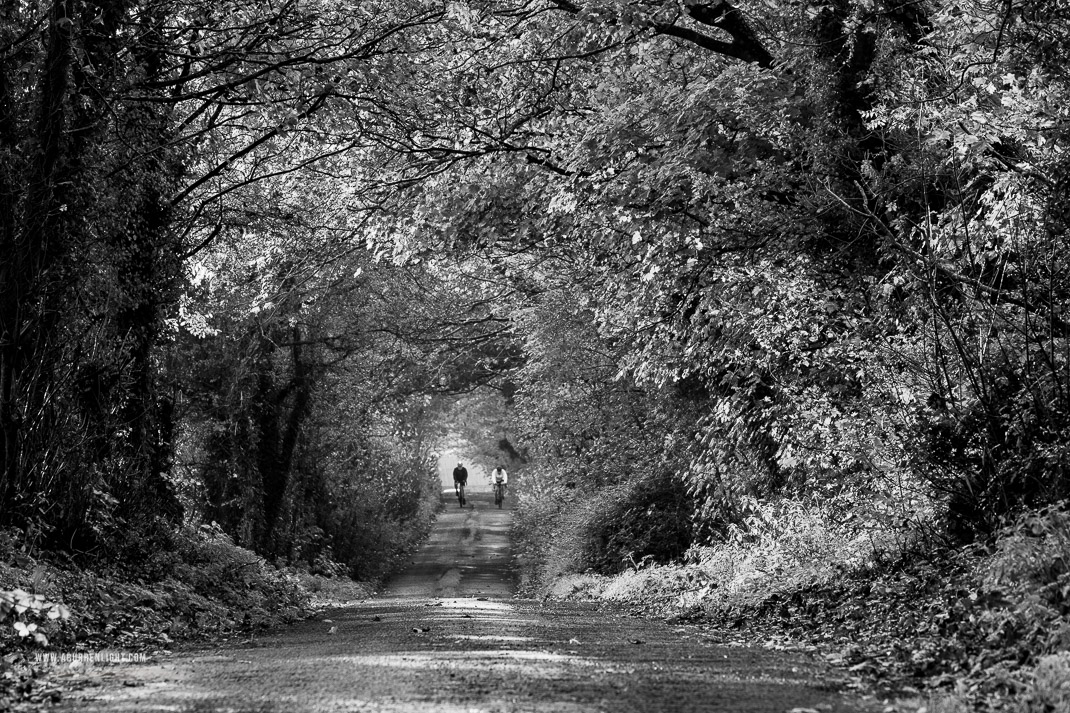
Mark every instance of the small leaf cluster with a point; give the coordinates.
(24, 611)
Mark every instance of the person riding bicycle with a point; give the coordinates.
(460, 477)
(499, 476)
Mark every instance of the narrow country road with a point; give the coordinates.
(446, 635)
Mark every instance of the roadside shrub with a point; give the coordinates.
(535, 520)
(783, 544)
(1032, 554)
(214, 566)
(1030, 569)
(1049, 689)
(561, 530)
(1001, 450)
(778, 546)
(550, 533)
(212, 587)
(648, 520)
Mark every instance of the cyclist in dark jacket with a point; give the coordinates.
(460, 474)
(460, 477)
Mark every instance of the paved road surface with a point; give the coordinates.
(446, 635)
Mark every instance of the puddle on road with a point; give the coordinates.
(473, 604)
(500, 639)
(459, 659)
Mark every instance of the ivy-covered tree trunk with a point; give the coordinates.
(89, 266)
(149, 270)
(10, 168)
(35, 243)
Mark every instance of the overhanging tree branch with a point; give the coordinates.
(209, 175)
(744, 44)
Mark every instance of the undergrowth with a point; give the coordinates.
(985, 627)
(564, 530)
(201, 586)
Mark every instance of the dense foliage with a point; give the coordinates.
(817, 249)
(194, 326)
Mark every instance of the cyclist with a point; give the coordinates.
(500, 478)
(460, 479)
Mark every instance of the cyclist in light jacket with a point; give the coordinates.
(499, 475)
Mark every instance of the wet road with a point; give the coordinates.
(467, 555)
(446, 635)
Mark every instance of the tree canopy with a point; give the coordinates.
(253, 253)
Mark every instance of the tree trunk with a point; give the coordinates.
(277, 457)
(32, 251)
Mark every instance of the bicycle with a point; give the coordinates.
(459, 487)
(499, 494)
